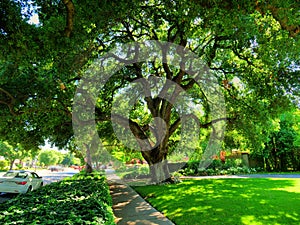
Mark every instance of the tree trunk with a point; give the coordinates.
(283, 162)
(296, 163)
(88, 166)
(158, 165)
(160, 172)
(11, 165)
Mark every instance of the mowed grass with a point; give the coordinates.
(227, 201)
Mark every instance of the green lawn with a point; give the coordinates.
(227, 201)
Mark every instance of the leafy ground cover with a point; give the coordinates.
(227, 201)
(81, 199)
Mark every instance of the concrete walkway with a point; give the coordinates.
(130, 208)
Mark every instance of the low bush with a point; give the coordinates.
(232, 163)
(137, 171)
(230, 167)
(82, 199)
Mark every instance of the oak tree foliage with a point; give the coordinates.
(251, 48)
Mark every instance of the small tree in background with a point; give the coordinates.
(69, 159)
(50, 157)
(13, 152)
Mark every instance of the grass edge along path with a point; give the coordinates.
(251, 201)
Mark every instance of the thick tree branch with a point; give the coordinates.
(129, 55)
(70, 17)
(10, 107)
(128, 31)
(189, 85)
(7, 93)
(137, 131)
(174, 126)
(172, 38)
(10, 104)
(206, 125)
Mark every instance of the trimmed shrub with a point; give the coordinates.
(216, 164)
(217, 167)
(191, 167)
(82, 199)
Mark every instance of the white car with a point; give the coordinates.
(20, 181)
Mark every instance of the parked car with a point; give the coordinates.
(76, 167)
(20, 181)
(56, 168)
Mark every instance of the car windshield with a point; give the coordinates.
(15, 174)
(10, 174)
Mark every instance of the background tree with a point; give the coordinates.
(282, 148)
(69, 159)
(13, 152)
(50, 157)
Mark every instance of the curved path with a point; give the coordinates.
(130, 208)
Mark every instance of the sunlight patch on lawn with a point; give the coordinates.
(263, 202)
(178, 212)
(295, 216)
(295, 188)
(168, 197)
(198, 209)
(250, 220)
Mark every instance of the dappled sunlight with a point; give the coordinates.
(263, 202)
(168, 198)
(294, 187)
(294, 216)
(177, 212)
(228, 201)
(250, 220)
(280, 218)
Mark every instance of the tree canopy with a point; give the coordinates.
(251, 49)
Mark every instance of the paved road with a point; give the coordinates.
(48, 177)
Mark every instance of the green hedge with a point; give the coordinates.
(81, 199)
(230, 167)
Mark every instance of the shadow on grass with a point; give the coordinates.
(228, 201)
